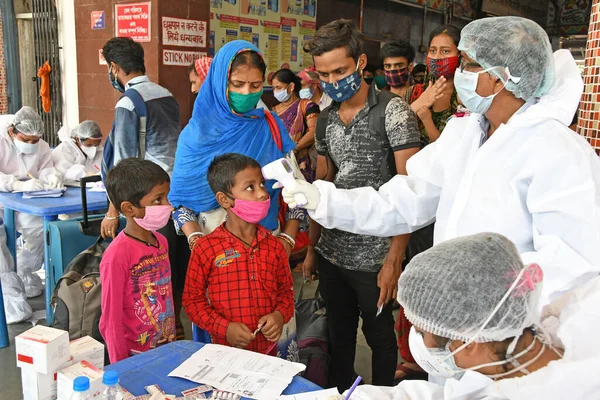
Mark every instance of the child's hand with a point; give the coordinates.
(239, 335)
(273, 325)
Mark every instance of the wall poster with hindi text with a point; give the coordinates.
(183, 32)
(132, 20)
(279, 28)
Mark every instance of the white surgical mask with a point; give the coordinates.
(465, 83)
(437, 362)
(90, 152)
(440, 361)
(25, 148)
(282, 95)
(306, 93)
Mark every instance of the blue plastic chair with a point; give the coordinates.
(200, 335)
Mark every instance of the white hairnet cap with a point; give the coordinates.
(87, 130)
(516, 43)
(452, 289)
(28, 122)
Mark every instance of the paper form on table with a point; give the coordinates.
(243, 372)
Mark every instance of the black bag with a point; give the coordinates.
(313, 338)
(77, 297)
(376, 128)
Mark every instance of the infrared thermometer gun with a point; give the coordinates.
(281, 171)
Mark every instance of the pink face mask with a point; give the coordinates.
(251, 211)
(156, 217)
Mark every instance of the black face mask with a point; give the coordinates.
(368, 80)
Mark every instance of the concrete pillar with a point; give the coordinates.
(589, 111)
(68, 68)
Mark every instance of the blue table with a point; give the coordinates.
(153, 367)
(48, 209)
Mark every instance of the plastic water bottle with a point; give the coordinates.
(112, 389)
(81, 388)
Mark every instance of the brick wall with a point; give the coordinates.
(589, 111)
(3, 94)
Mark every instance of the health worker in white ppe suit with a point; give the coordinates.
(24, 153)
(474, 307)
(79, 154)
(512, 166)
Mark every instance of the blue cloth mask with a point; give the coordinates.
(115, 82)
(345, 88)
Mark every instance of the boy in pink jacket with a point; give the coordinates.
(137, 298)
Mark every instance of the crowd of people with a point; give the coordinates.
(453, 189)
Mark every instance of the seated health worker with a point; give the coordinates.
(474, 307)
(81, 154)
(26, 165)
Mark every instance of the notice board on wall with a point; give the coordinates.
(186, 38)
(133, 21)
(278, 28)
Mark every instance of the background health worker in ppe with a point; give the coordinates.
(474, 306)
(26, 165)
(80, 153)
(512, 166)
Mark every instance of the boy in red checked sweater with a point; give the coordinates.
(239, 279)
(137, 299)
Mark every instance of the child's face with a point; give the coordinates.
(248, 184)
(156, 197)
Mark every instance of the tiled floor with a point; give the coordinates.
(10, 377)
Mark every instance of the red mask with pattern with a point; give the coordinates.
(445, 67)
(396, 77)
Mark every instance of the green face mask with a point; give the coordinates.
(380, 81)
(242, 103)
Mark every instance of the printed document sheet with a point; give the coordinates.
(243, 372)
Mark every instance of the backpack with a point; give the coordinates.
(376, 118)
(140, 108)
(313, 338)
(77, 297)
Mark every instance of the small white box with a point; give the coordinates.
(67, 376)
(86, 349)
(43, 349)
(38, 386)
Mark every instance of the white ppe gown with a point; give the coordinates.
(14, 166)
(534, 181)
(571, 320)
(73, 164)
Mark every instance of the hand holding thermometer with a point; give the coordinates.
(281, 170)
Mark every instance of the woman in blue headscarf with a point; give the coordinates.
(225, 120)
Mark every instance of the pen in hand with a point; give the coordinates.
(258, 329)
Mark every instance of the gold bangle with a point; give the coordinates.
(288, 241)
